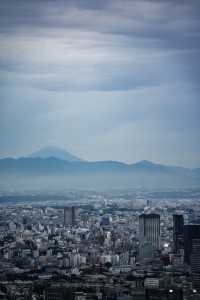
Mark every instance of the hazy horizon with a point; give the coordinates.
(56, 155)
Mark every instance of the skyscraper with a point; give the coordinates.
(195, 264)
(70, 216)
(178, 232)
(149, 229)
(191, 232)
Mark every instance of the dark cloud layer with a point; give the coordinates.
(99, 77)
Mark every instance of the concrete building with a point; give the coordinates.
(70, 216)
(149, 229)
(178, 233)
(191, 232)
(195, 264)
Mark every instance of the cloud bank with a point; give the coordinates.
(114, 79)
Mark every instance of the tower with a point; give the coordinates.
(195, 264)
(178, 232)
(191, 232)
(149, 229)
(70, 216)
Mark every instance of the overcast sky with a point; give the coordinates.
(109, 79)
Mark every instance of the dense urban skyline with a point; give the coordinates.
(103, 79)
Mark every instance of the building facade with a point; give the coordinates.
(149, 229)
(191, 232)
(70, 216)
(178, 233)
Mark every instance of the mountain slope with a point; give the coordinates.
(56, 152)
(53, 164)
(53, 173)
(148, 166)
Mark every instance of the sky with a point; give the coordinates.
(106, 80)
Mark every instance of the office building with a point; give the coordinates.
(178, 233)
(149, 230)
(191, 232)
(195, 264)
(106, 220)
(70, 216)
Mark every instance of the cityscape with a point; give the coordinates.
(112, 245)
(99, 150)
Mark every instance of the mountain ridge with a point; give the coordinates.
(55, 174)
(53, 151)
(143, 165)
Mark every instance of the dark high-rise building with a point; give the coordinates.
(195, 264)
(191, 233)
(70, 216)
(178, 232)
(149, 229)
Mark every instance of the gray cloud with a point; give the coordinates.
(114, 79)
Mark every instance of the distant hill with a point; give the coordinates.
(148, 166)
(56, 152)
(55, 173)
(50, 163)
